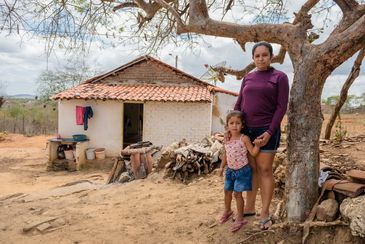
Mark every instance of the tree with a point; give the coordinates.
(52, 82)
(2, 93)
(312, 63)
(345, 88)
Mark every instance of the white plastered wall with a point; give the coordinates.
(222, 104)
(164, 123)
(105, 128)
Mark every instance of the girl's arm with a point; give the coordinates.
(252, 149)
(223, 164)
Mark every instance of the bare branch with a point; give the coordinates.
(169, 8)
(304, 10)
(241, 73)
(352, 40)
(346, 6)
(301, 16)
(355, 71)
(125, 5)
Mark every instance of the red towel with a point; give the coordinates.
(80, 115)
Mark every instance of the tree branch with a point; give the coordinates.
(180, 24)
(301, 16)
(344, 91)
(241, 73)
(346, 6)
(352, 40)
(125, 5)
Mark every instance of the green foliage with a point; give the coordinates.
(29, 117)
(332, 100)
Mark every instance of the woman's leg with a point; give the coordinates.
(267, 184)
(240, 205)
(251, 195)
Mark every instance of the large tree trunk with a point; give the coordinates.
(305, 121)
(345, 88)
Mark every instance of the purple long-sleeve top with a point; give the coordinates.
(263, 98)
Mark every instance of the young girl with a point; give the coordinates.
(239, 173)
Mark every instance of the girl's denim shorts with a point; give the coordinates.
(238, 180)
(272, 145)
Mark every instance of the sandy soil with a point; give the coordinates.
(153, 210)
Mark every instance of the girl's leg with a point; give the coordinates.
(267, 184)
(251, 195)
(227, 201)
(240, 205)
(227, 207)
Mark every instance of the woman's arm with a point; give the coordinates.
(252, 149)
(238, 105)
(282, 103)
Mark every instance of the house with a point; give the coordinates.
(147, 100)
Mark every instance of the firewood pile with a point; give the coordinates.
(132, 163)
(181, 160)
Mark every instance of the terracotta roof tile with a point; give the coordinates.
(142, 92)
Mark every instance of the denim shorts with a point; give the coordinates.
(273, 143)
(238, 180)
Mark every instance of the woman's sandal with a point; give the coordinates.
(225, 217)
(263, 223)
(238, 224)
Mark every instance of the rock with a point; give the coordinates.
(58, 222)
(327, 210)
(353, 209)
(124, 177)
(43, 227)
(34, 224)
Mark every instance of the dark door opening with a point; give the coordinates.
(133, 123)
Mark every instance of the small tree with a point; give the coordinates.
(52, 82)
(355, 71)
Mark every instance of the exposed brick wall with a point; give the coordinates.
(150, 72)
(165, 123)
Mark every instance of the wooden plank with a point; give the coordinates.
(111, 174)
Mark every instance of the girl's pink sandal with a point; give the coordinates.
(225, 217)
(238, 224)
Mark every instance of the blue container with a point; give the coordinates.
(79, 137)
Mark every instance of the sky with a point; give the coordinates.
(22, 60)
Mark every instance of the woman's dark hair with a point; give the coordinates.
(266, 44)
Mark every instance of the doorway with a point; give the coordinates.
(132, 123)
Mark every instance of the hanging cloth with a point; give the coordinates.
(80, 115)
(87, 115)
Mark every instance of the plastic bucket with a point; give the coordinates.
(90, 154)
(100, 153)
(69, 155)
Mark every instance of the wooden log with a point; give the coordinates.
(111, 174)
(118, 170)
(168, 165)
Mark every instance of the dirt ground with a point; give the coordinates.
(77, 207)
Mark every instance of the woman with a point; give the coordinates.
(263, 100)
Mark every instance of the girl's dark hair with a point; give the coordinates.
(266, 44)
(235, 113)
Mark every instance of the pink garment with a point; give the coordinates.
(236, 153)
(80, 115)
